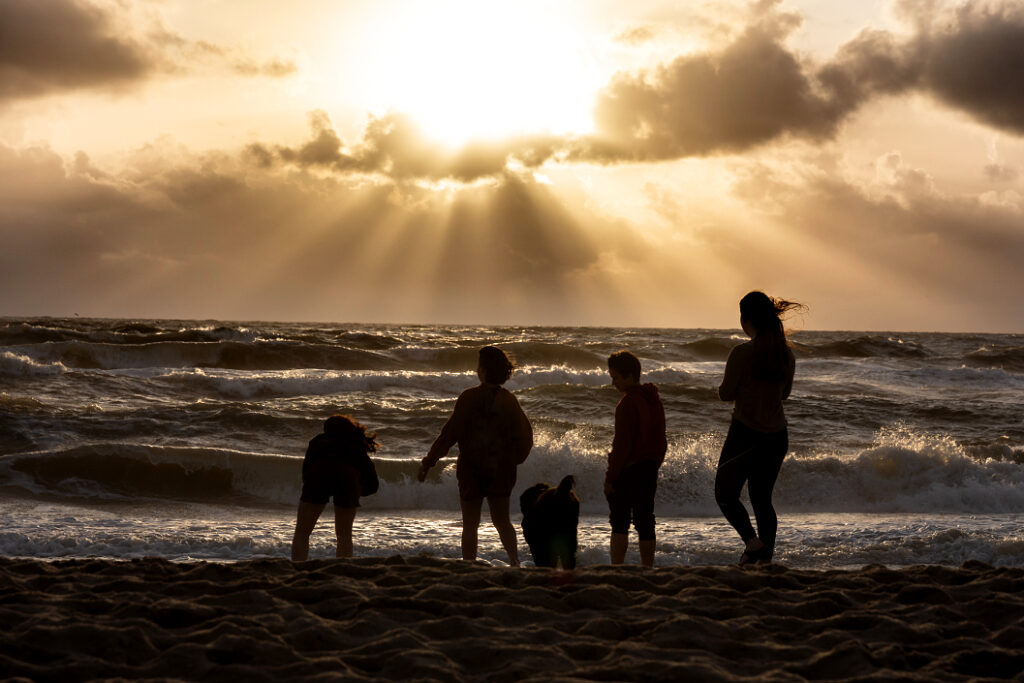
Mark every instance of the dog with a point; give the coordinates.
(550, 520)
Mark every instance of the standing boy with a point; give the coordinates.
(638, 449)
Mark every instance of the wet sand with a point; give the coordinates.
(435, 619)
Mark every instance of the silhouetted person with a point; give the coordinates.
(758, 377)
(337, 464)
(494, 437)
(638, 449)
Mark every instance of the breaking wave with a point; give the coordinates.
(902, 472)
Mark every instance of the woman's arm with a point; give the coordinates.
(790, 371)
(731, 381)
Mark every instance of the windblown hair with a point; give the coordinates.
(347, 432)
(625, 363)
(496, 365)
(770, 346)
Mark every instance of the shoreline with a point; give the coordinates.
(424, 618)
(185, 532)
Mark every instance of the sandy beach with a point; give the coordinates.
(435, 619)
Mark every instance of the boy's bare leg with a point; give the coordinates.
(304, 523)
(470, 524)
(618, 547)
(498, 508)
(647, 553)
(343, 518)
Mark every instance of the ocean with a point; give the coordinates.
(184, 439)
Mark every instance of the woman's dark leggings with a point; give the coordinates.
(754, 458)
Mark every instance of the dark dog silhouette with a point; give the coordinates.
(550, 518)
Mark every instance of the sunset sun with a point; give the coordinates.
(467, 70)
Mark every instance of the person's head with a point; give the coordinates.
(624, 368)
(344, 429)
(759, 314)
(494, 366)
(761, 318)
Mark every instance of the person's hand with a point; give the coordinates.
(608, 488)
(422, 474)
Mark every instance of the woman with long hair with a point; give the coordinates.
(758, 377)
(494, 437)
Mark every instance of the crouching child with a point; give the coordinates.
(337, 465)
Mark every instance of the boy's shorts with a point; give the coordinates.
(632, 499)
(331, 480)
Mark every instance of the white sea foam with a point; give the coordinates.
(18, 364)
(904, 472)
(316, 382)
(310, 382)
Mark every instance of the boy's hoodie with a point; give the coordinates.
(639, 430)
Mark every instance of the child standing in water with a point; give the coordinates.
(638, 449)
(337, 464)
(494, 437)
(758, 377)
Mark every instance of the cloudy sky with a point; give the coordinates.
(570, 163)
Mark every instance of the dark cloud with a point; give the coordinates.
(973, 59)
(970, 57)
(394, 146)
(60, 45)
(751, 92)
(1001, 173)
(756, 90)
(63, 44)
(874, 63)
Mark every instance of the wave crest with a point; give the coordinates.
(19, 365)
(998, 356)
(863, 347)
(903, 471)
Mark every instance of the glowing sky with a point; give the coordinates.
(566, 163)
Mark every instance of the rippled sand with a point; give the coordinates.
(434, 619)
